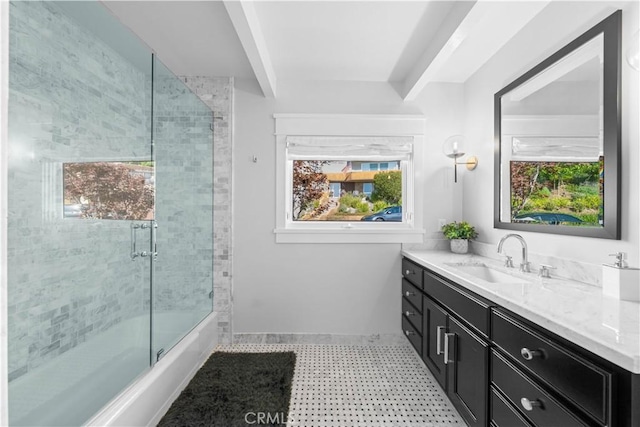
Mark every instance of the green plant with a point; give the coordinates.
(362, 207)
(350, 201)
(459, 230)
(387, 187)
(379, 205)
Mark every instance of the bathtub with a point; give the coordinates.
(36, 399)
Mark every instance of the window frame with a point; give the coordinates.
(408, 231)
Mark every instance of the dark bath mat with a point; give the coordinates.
(236, 389)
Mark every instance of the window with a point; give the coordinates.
(340, 187)
(326, 190)
(108, 190)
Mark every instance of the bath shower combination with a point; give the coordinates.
(110, 200)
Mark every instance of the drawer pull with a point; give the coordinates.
(409, 272)
(409, 294)
(409, 313)
(448, 336)
(528, 405)
(407, 333)
(530, 354)
(439, 330)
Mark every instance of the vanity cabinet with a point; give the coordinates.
(585, 386)
(501, 370)
(412, 303)
(455, 347)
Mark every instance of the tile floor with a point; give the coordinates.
(361, 386)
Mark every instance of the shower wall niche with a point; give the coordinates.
(82, 310)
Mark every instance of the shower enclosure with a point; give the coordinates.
(110, 211)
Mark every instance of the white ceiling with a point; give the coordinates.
(408, 43)
(193, 38)
(361, 41)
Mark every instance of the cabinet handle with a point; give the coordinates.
(408, 272)
(439, 330)
(407, 333)
(409, 294)
(447, 360)
(528, 405)
(409, 313)
(529, 354)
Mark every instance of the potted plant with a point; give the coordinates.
(459, 233)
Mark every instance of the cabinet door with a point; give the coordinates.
(434, 327)
(467, 373)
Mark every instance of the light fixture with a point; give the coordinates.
(633, 52)
(453, 148)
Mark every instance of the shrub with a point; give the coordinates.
(379, 205)
(578, 205)
(387, 186)
(363, 207)
(543, 192)
(592, 201)
(350, 201)
(590, 218)
(560, 202)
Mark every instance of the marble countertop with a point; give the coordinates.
(573, 310)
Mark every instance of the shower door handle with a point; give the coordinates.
(143, 254)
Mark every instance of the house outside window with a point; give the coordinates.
(326, 178)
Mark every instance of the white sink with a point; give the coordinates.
(486, 273)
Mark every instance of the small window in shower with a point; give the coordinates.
(109, 190)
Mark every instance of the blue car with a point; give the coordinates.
(547, 218)
(392, 213)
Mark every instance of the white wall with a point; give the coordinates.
(322, 288)
(553, 28)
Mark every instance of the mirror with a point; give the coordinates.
(557, 138)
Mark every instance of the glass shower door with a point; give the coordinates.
(183, 152)
(79, 126)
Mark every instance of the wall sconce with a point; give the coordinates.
(453, 148)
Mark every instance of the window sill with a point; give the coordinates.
(343, 235)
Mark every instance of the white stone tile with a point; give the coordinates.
(360, 386)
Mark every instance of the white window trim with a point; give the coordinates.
(349, 125)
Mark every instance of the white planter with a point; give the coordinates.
(459, 246)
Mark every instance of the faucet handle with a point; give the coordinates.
(544, 270)
(508, 261)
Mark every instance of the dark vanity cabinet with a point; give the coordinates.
(453, 346)
(412, 303)
(501, 370)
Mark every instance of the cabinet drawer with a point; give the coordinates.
(574, 377)
(412, 272)
(463, 304)
(411, 313)
(517, 387)
(503, 414)
(412, 293)
(410, 332)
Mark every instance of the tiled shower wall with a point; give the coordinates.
(71, 98)
(217, 93)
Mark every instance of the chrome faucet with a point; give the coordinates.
(524, 265)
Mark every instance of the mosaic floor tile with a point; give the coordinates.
(361, 386)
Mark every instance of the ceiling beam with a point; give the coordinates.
(486, 26)
(448, 38)
(245, 21)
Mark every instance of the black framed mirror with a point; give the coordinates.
(557, 140)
